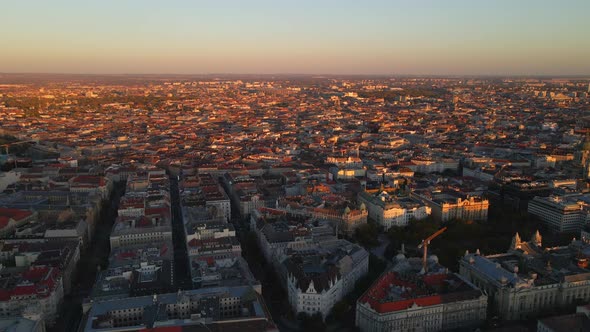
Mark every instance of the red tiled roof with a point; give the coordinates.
(15, 214)
(24, 290)
(4, 295)
(127, 254)
(376, 294)
(162, 211)
(4, 221)
(41, 282)
(89, 179)
(163, 250)
(144, 222)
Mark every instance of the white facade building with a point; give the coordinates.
(529, 278)
(448, 205)
(314, 286)
(389, 211)
(389, 305)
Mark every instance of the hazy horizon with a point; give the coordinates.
(312, 75)
(422, 38)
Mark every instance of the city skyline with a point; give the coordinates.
(293, 203)
(294, 166)
(262, 37)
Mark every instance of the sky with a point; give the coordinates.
(386, 37)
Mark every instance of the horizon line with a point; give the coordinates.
(450, 75)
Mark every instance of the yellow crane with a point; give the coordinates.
(424, 246)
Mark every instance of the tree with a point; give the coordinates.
(340, 309)
(367, 234)
(314, 322)
(414, 232)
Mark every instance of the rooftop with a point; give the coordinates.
(529, 264)
(394, 291)
(156, 314)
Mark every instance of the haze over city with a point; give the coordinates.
(457, 37)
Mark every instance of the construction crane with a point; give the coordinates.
(424, 246)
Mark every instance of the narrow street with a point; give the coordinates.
(96, 254)
(98, 250)
(182, 278)
(272, 291)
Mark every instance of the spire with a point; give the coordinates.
(516, 242)
(363, 207)
(537, 239)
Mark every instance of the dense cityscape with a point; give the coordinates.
(294, 203)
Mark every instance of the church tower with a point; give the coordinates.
(516, 242)
(536, 239)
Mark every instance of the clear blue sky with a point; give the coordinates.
(283, 36)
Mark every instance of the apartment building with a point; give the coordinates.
(562, 214)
